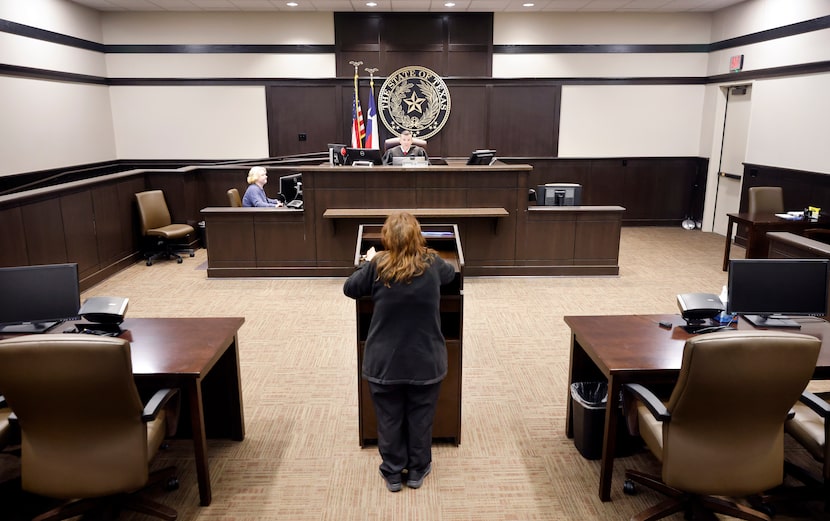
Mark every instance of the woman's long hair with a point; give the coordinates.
(405, 254)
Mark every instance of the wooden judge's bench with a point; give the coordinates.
(502, 232)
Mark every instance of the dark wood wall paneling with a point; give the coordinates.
(518, 120)
(654, 191)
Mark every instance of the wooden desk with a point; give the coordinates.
(200, 356)
(757, 226)
(634, 349)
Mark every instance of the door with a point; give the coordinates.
(733, 154)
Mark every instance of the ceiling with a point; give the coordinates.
(630, 6)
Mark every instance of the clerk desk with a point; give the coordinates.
(634, 349)
(199, 356)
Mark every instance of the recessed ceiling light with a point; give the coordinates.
(371, 4)
(449, 4)
(528, 5)
(292, 4)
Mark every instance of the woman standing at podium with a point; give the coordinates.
(405, 358)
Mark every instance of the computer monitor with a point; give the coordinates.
(364, 155)
(482, 157)
(291, 187)
(559, 194)
(767, 291)
(34, 299)
(410, 161)
(337, 154)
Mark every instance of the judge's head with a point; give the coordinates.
(257, 175)
(406, 140)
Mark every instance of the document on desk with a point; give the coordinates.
(791, 216)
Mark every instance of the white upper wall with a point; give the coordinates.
(600, 28)
(754, 16)
(218, 28)
(58, 16)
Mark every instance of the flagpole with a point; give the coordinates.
(356, 104)
(372, 114)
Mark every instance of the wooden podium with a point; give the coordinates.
(443, 238)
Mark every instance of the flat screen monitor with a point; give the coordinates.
(409, 161)
(36, 298)
(291, 187)
(364, 155)
(337, 154)
(559, 194)
(768, 291)
(482, 157)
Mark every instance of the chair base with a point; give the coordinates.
(695, 506)
(167, 251)
(108, 507)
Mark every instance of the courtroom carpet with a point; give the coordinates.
(301, 460)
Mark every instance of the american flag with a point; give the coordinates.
(358, 128)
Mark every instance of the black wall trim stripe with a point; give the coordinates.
(223, 49)
(28, 31)
(807, 26)
(49, 75)
(600, 49)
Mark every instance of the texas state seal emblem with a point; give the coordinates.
(416, 99)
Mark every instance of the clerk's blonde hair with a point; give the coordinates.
(255, 173)
(405, 254)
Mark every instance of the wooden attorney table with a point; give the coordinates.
(199, 356)
(624, 349)
(757, 226)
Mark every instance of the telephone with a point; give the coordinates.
(296, 204)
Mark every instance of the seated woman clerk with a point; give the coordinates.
(255, 194)
(405, 149)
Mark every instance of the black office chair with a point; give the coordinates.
(163, 237)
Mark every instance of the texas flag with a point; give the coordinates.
(372, 134)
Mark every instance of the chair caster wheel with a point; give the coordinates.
(628, 488)
(149, 263)
(171, 484)
(192, 254)
(178, 261)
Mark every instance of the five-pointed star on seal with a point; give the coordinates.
(414, 103)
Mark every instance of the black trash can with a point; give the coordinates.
(589, 400)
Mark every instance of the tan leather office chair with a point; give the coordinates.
(234, 199)
(5, 426)
(765, 199)
(810, 428)
(392, 142)
(86, 437)
(721, 433)
(163, 237)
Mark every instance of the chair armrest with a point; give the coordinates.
(818, 405)
(3, 401)
(652, 403)
(156, 403)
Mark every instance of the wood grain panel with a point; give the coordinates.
(301, 110)
(13, 252)
(79, 229)
(43, 226)
(524, 119)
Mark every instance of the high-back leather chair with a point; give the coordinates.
(392, 142)
(765, 199)
(86, 437)
(234, 199)
(721, 433)
(163, 237)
